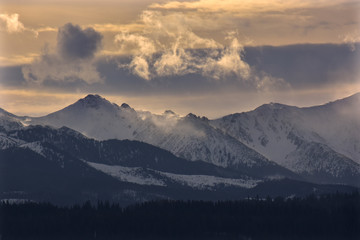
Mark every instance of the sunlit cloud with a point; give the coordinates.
(139, 66)
(168, 35)
(265, 21)
(171, 38)
(244, 7)
(39, 30)
(137, 44)
(18, 59)
(230, 61)
(351, 39)
(115, 28)
(168, 46)
(11, 23)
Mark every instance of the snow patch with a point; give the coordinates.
(34, 146)
(7, 142)
(143, 176)
(135, 175)
(206, 182)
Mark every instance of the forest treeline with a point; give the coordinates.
(331, 216)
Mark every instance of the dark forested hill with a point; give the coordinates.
(335, 216)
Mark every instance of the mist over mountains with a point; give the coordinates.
(115, 152)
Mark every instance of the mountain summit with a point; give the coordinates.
(321, 142)
(125, 105)
(93, 116)
(190, 137)
(94, 101)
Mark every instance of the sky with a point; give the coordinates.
(208, 57)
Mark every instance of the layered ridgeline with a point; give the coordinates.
(80, 152)
(42, 163)
(188, 137)
(320, 143)
(62, 165)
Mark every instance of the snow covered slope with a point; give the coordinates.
(9, 121)
(60, 164)
(7, 142)
(57, 153)
(143, 176)
(317, 141)
(189, 137)
(321, 143)
(93, 116)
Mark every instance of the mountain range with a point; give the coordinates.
(321, 143)
(95, 149)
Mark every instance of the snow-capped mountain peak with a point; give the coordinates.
(9, 121)
(3, 112)
(319, 139)
(351, 100)
(190, 137)
(95, 101)
(93, 116)
(273, 108)
(286, 135)
(191, 115)
(195, 117)
(125, 105)
(169, 112)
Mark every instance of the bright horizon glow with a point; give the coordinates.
(36, 104)
(37, 77)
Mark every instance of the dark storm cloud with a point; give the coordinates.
(72, 61)
(74, 42)
(307, 65)
(11, 76)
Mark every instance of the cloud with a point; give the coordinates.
(11, 23)
(18, 59)
(164, 48)
(351, 39)
(170, 122)
(168, 35)
(140, 67)
(72, 61)
(244, 7)
(230, 62)
(110, 27)
(76, 43)
(51, 67)
(266, 82)
(135, 44)
(312, 69)
(165, 122)
(176, 62)
(264, 21)
(168, 47)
